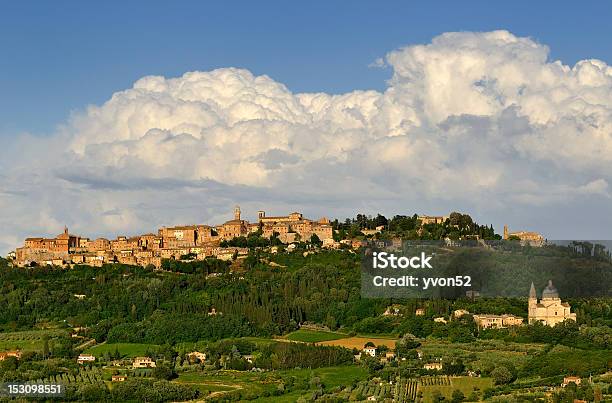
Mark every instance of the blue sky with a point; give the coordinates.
(57, 57)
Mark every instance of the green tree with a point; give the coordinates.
(501, 375)
(45, 346)
(164, 371)
(457, 396)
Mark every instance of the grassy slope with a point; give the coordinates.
(125, 349)
(330, 377)
(314, 336)
(258, 382)
(30, 340)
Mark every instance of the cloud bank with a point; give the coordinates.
(479, 122)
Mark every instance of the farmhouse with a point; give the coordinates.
(370, 350)
(460, 312)
(486, 321)
(568, 379)
(434, 366)
(196, 356)
(440, 320)
(84, 358)
(143, 362)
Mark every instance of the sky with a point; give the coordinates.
(57, 57)
(104, 131)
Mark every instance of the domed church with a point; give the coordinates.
(549, 310)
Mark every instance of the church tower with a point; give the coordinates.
(237, 213)
(506, 237)
(533, 302)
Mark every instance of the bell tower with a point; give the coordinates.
(533, 302)
(237, 213)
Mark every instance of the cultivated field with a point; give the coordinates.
(482, 352)
(446, 385)
(358, 342)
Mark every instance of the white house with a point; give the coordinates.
(143, 362)
(371, 351)
(436, 366)
(83, 358)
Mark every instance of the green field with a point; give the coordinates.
(464, 383)
(23, 345)
(314, 336)
(331, 377)
(206, 384)
(219, 382)
(251, 384)
(125, 349)
(31, 340)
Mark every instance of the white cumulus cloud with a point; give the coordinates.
(479, 122)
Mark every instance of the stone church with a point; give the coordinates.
(549, 310)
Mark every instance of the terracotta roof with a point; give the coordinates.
(233, 222)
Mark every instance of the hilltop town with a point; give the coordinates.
(203, 241)
(199, 241)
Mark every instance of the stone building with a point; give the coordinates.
(178, 237)
(549, 310)
(46, 249)
(99, 244)
(526, 237)
(294, 223)
(143, 362)
(486, 321)
(428, 219)
(234, 228)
